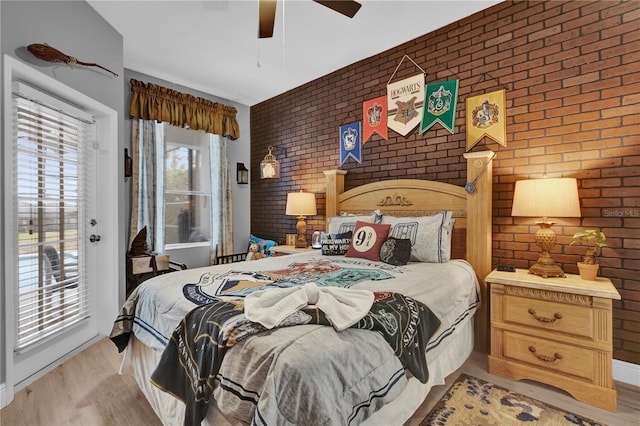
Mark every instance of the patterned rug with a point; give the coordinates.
(471, 401)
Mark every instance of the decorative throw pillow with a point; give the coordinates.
(346, 222)
(396, 251)
(264, 246)
(430, 235)
(336, 244)
(367, 239)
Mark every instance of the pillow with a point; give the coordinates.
(430, 235)
(263, 245)
(336, 244)
(396, 251)
(367, 239)
(346, 222)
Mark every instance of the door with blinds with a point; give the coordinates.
(55, 231)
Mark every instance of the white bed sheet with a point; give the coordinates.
(451, 293)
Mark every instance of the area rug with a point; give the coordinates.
(472, 401)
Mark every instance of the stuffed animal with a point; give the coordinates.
(254, 252)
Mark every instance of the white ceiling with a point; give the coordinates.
(212, 46)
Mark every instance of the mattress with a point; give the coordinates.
(449, 290)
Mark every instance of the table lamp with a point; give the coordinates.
(301, 204)
(545, 198)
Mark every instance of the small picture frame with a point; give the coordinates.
(290, 239)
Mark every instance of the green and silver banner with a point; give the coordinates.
(440, 105)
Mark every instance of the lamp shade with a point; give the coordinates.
(547, 197)
(301, 204)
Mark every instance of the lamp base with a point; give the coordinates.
(546, 240)
(546, 271)
(301, 227)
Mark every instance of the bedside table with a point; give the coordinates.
(285, 250)
(554, 330)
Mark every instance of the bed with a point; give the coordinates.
(308, 374)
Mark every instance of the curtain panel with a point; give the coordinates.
(144, 140)
(222, 200)
(153, 102)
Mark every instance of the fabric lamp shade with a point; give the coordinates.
(301, 204)
(550, 197)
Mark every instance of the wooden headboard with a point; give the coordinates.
(471, 238)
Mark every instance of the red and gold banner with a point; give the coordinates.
(486, 117)
(374, 118)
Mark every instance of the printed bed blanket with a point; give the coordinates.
(278, 376)
(190, 363)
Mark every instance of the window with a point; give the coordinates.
(187, 188)
(51, 151)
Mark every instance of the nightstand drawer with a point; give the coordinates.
(553, 356)
(560, 317)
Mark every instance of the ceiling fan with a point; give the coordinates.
(267, 12)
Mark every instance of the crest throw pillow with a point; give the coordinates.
(396, 251)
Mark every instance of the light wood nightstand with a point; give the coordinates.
(285, 250)
(556, 331)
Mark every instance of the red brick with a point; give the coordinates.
(573, 97)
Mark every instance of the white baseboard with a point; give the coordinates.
(3, 395)
(626, 372)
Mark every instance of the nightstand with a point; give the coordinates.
(554, 330)
(285, 250)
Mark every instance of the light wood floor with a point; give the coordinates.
(87, 390)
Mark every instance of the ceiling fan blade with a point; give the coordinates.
(346, 7)
(267, 17)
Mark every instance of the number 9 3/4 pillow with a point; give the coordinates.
(367, 239)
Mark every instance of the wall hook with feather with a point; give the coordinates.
(50, 54)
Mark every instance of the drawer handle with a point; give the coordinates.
(556, 316)
(556, 356)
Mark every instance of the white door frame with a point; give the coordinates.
(107, 187)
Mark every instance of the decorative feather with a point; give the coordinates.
(50, 54)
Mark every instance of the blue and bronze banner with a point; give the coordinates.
(405, 100)
(350, 146)
(486, 117)
(440, 105)
(374, 117)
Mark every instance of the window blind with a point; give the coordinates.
(51, 183)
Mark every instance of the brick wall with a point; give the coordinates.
(572, 75)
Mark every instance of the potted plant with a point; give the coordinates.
(593, 240)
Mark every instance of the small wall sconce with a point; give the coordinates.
(269, 167)
(242, 173)
(128, 164)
